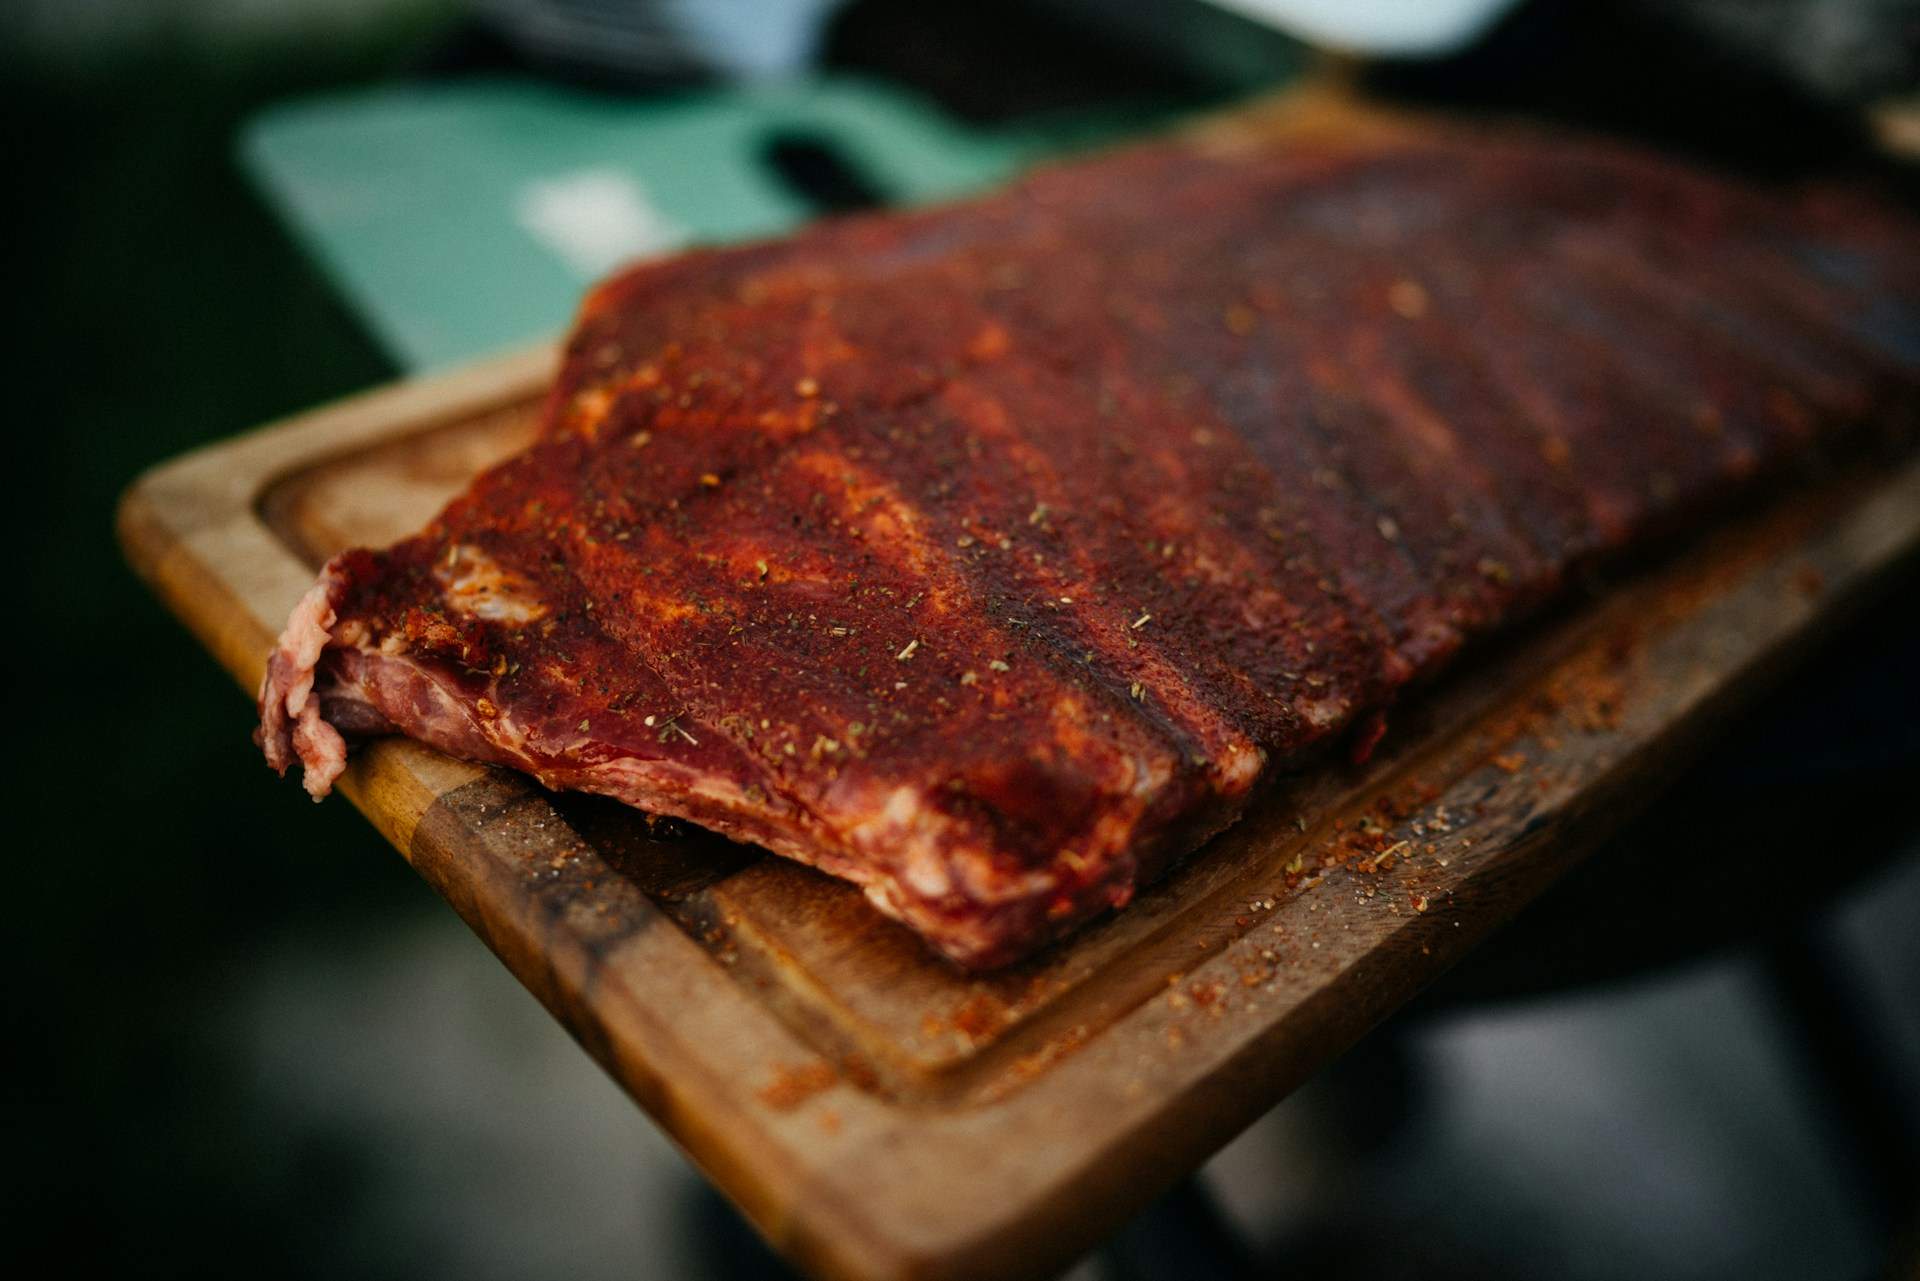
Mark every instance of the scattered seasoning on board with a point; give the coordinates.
(792, 1085)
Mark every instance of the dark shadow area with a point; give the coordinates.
(820, 173)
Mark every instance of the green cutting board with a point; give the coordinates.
(466, 217)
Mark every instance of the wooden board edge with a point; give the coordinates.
(1144, 1153)
(190, 528)
(692, 1049)
(808, 1198)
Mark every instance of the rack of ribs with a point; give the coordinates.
(992, 556)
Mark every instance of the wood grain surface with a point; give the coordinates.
(877, 1113)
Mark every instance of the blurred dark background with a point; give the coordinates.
(246, 1040)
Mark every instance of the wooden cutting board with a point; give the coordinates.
(875, 1112)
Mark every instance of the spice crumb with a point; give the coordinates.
(1408, 298)
(792, 1086)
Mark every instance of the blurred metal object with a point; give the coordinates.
(664, 39)
(1389, 28)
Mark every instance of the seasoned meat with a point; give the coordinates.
(993, 555)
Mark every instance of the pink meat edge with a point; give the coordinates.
(291, 726)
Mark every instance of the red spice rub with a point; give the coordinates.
(991, 556)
